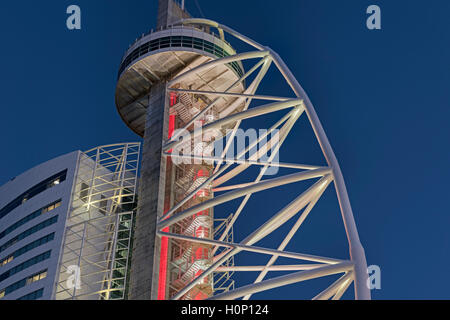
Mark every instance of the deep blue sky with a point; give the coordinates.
(382, 97)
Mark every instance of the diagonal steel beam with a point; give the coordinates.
(249, 248)
(267, 184)
(213, 103)
(285, 280)
(262, 232)
(332, 290)
(288, 238)
(251, 113)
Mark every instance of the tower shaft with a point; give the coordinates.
(146, 254)
(145, 259)
(152, 276)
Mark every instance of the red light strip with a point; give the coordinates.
(163, 267)
(172, 125)
(163, 257)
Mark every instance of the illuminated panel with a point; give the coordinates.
(163, 267)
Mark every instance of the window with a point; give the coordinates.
(6, 260)
(39, 276)
(2, 294)
(29, 218)
(34, 295)
(29, 232)
(27, 248)
(84, 193)
(177, 41)
(35, 260)
(25, 282)
(51, 207)
(103, 204)
(30, 193)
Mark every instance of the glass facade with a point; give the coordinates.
(34, 295)
(24, 282)
(179, 42)
(35, 260)
(98, 234)
(27, 248)
(30, 217)
(29, 232)
(121, 267)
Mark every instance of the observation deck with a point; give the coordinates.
(161, 56)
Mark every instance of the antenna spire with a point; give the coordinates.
(170, 11)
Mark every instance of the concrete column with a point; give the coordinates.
(145, 258)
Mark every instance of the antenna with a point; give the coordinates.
(199, 9)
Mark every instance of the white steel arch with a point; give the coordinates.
(353, 270)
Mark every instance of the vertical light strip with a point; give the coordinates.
(164, 240)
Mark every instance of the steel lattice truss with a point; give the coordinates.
(94, 262)
(352, 270)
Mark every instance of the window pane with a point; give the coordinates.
(84, 192)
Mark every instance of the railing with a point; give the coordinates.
(190, 27)
(187, 42)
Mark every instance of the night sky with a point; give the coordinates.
(382, 97)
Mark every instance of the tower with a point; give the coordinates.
(182, 88)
